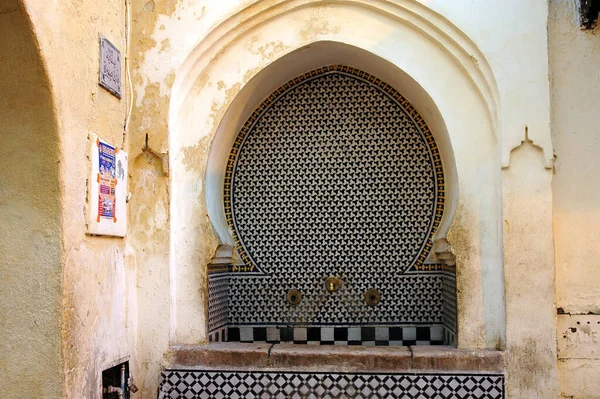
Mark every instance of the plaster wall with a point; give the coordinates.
(574, 60)
(30, 225)
(98, 273)
(236, 64)
(530, 344)
(511, 47)
(147, 291)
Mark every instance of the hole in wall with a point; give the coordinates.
(116, 382)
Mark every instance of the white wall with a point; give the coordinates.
(575, 61)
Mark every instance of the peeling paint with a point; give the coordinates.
(111, 287)
(316, 27)
(193, 156)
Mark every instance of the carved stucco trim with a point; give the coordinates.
(421, 18)
(443, 252)
(548, 161)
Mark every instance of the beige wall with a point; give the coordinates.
(575, 83)
(73, 297)
(98, 284)
(528, 263)
(30, 232)
(149, 207)
(120, 297)
(212, 49)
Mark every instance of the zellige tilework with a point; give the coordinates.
(334, 174)
(192, 384)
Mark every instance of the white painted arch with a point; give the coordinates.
(295, 64)
(405, 44)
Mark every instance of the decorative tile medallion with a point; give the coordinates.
(333, 157)
(191, 384)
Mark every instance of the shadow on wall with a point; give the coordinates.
(30, 287)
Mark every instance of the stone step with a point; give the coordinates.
(331, 357)
(234, 370)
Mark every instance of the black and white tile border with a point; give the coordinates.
(365, 335)
(218, 335)
(192, 384)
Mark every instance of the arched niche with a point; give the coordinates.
(305, 59)
(425, 57)
(433, 282)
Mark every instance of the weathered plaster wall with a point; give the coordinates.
(574, 61)
(30, 232)
(527, 220)
(149, 206)
(514, 42)
(98, 278)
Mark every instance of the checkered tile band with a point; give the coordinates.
(366, 336)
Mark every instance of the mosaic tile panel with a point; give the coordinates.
(179, 384)
(449, 307)
(405, 299)
(364, 335)
(335, 129)
(218, 300)
(335, 174)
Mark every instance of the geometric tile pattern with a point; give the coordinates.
(218, 300)
(179, 384)
(364, 336)
(339, 147)
(218, 335)
(407, 298)
(449, 307)
(334, 174)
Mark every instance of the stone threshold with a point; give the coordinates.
(290, 357)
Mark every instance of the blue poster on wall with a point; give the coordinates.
(107, 181)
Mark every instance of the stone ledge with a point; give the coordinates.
(333, 358)
(447, 358)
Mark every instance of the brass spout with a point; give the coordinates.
(333, 284)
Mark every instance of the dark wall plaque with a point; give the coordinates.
(110, 67)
